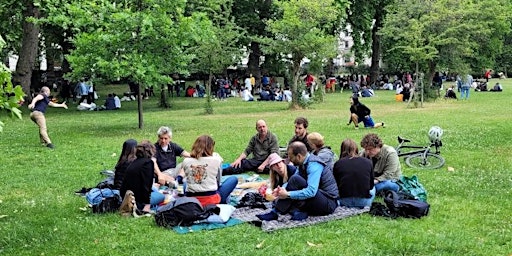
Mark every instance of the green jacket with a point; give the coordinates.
(386, 164)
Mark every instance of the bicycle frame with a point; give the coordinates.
(419, 149)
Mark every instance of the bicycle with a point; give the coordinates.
(420, 157)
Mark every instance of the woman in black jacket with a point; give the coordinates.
(125, 159)
(361, 113)
(139, 177)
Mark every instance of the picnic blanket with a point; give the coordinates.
(206, 226)
(249, 215)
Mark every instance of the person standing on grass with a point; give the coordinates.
(38, 107)
(386, 165)
(312, 190)
(354, 176)
(361, 113)
(260, 146)
(464, 89)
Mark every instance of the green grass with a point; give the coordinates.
(470, 207)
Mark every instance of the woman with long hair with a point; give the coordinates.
(279, 171)
(125, 159)
(202, 173)
(354, 176)
(139, 177)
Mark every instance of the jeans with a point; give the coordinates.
(319, 205)
(155, 198)
(226, 188)
(358, 202)
(464, 91)
(386, 185)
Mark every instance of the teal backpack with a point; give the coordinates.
(412, 186)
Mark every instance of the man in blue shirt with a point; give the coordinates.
(312, 190)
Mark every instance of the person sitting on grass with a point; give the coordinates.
(354, 176)
(280, 172)
(138, 178)
(361, 113)
(312, 190)
(202, 173)
(386, 165)
(165, 157)
(450, 93)
(497, 88)
(260, 146)
(316, 140)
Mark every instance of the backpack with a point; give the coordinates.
(405, 205)
(103, 200)
(413, 186)
(183, 211)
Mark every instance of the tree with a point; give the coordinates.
(252, 15)
(140, 41)
(10, 96)
(217, 48)
(445, 34)
(365, 20)
(29, 45)
(303, 31)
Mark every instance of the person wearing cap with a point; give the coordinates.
(260, 146)
(312, 190)
(279, 171)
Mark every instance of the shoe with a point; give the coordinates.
(139, 213)
(50, 146)
(357, 127)
(268, 216)
(231, 170)
(298, 215)
(82, 191)
(383, 125)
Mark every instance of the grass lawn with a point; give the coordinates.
(470, 206)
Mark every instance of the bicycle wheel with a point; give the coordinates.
(431, 161)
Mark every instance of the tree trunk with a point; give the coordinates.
(28, 52)
(139, 106)
(295, 82)
(253, 65)
(374, 69)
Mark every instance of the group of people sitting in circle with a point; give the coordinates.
(306, 179)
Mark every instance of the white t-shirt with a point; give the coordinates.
(248, 84)
(246, 95)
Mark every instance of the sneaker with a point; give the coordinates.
(357, 127)
(139, 213)
(383, 125)
(298, 215)
(50, 146)
(82, 191)
(268, 216)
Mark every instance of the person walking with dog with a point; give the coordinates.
(38, 106)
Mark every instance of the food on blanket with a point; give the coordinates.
(269, 197)
(254, 184)
(263, 189)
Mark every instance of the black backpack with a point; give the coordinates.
(183, 211)
(405, 205)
